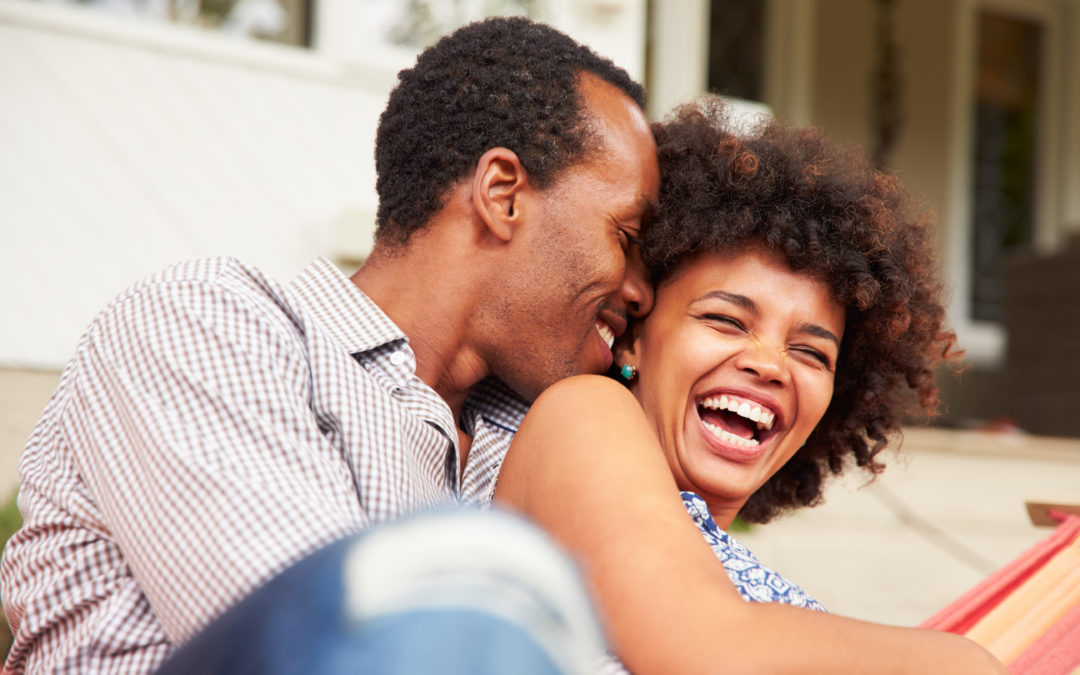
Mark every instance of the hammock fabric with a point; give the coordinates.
(1028, 612)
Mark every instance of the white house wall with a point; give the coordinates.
(126, 147)
(352, 30)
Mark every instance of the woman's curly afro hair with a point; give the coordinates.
(830, 214)
(503, 82)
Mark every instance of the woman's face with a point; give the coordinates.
(736, 365)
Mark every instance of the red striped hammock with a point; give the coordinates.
(1028, 612)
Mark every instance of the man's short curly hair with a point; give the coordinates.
(829, 213)
(504, 82)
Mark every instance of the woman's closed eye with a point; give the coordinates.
(815, 354)
(726, 320)
(731, 323)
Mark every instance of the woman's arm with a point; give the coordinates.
(588, 468)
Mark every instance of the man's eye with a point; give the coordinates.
(626, 239)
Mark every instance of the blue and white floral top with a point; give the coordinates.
(754, 581)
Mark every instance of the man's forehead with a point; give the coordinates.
(615, 121)
(619, 146)
(609, 106)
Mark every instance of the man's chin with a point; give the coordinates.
(530, 388)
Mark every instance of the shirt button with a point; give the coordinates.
(398, 358)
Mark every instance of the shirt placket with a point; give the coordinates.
(422, 401)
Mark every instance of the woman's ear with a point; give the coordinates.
(498, 184)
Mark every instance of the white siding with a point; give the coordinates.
(125, 147)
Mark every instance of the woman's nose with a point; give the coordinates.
(764, 361)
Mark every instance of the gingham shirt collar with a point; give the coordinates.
(495, 403)
(363, 330)
(492, 413)
(346, 312)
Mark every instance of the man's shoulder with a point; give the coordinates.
(199, 285)
(223, 271)
(191, 310)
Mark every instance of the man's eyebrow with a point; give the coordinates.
(648, 208)
(750, 306)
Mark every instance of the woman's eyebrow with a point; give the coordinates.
(734, 298)
(819, 331)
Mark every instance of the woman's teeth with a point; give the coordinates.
(756, 414)
(606, 333)
(730, 438)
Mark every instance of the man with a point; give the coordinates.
(214, 427)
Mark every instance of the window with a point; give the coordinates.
(1008, 82)
(284, 21)
(736, 48)
(1009, 156)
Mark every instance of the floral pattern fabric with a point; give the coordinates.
(754, 581)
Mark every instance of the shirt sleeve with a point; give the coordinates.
(191, 424)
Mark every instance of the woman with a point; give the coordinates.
(796, 323)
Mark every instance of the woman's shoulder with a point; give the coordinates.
(584, 409)
(587, 385)
(586, 429)
(586, 395)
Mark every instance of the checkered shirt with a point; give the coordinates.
(212, 428)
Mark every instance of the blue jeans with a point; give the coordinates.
(461, 592)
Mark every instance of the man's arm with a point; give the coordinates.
(190, 423)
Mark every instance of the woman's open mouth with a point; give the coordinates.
(736, 421)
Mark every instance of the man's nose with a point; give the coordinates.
(637, 289)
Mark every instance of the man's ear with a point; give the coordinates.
(498, 185)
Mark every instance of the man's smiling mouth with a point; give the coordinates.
(606, 332)
(736, 421)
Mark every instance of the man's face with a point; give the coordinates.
(579, 273)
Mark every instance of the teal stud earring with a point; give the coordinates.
(628, 372)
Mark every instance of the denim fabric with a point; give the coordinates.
(463, 611)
